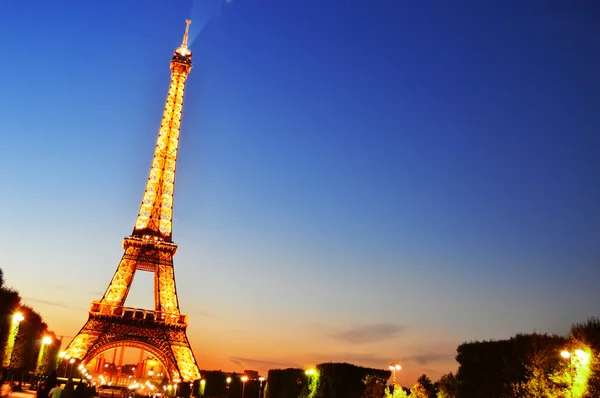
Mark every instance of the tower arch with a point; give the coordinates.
(165, 361)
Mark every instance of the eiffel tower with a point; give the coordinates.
(162, 331)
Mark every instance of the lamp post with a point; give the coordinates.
(309, 373)
(47, 340)
(260, 384)
(202, 386)
(71, 361)
(394, 366)
(228, 380)
(12, 335)
(579, 358)
(244, 380)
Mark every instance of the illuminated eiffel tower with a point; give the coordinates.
(162, 331)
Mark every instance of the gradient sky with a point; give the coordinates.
(358, 180)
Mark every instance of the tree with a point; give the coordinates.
(447, 386)
(551, 378)
(419, 391)
(588, 334)
(491, 368)
(428, 385)
(9, 303)
(398, 392)
(374, 387)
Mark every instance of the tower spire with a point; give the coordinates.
(154, 221)
(184, 43)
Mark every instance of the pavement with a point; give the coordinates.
(23, 394)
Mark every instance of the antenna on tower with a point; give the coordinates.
(185, 36)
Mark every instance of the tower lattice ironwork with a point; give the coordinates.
(162, 331)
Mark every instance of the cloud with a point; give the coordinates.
(244, 362)
(432, 372)
(370, 333)
(205, 314)
(423, 359)
(52, 303)
(368, 359)
(376, 361)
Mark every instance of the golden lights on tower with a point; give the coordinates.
(154, 220)
(149, 248)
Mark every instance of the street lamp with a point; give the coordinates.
(394, 366)
(309, 373)
(46, 340)
(260, 379)
(12, 335)
(228, 380)
(70, 365)
(244, 380)
(578, 355)
(583, 356)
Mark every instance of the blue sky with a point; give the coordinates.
(363, 181)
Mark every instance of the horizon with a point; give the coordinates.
(362, 183)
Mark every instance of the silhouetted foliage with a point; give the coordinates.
(428, 385)
(9, 303)
(285, 383)
(28, 341)
(374, 386)
(331, 380)
(489, 369)
(588, 333)
(215, 384)
(418, 391)
(448, 386)
(344, 380)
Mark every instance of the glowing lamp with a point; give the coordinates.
(565, 354)
(18, 317)
(261, 379)
(228, 380)
(244, 378)
(47, 340)
(582, 355)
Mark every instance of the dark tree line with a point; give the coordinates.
(490, 369)
(529, 365)
(523, 366)
(25, 359)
